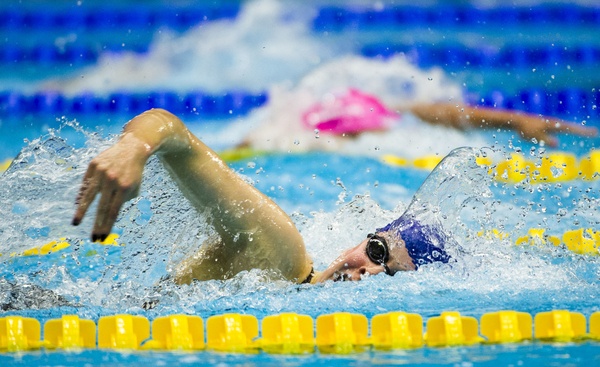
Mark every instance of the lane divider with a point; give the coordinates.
(571, 102)
(72, 54)
(509, 56)
(582, 241)
(574, 103)
(336, 18)
(291, 333)
(331, 18)
(63, 243)
(553, 167)
(193, 103)
(101, 18)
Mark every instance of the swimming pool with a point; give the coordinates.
(335, 199)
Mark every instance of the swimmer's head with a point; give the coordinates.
(401, 245)
(381, 252)
(351, 113)
(425, 243)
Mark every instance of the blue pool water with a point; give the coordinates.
(335, 196)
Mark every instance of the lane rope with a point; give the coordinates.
(291, 333)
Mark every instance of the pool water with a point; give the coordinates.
(334, 196)
(333, 206)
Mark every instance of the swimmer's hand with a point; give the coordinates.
(116, 175)
(542, 128)
(529, 126)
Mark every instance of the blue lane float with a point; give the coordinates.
(572, 103)
(222, 105)
(328, 17)
(333, 18)
(510, 56)
(101, 18)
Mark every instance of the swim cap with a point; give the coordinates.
(350, 113)
(425, 243)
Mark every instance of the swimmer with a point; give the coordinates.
(252, 232)
(345, 114)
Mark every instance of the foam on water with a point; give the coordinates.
(160, 227)
(243, 53)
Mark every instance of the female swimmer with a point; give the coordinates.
(292, 119)
(252, 231)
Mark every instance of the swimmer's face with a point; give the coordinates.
(355, 263)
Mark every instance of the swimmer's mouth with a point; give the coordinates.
(341, 277)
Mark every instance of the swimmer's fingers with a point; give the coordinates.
(111, 200)
(533, 127)
(541, 129)
(564, 127)
(568, 127)
(86, 195)
(548, 139)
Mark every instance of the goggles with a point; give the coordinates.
(378, 252)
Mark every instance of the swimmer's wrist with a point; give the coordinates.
(138, 147)
(158, 130)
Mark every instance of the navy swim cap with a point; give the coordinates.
(425, 244)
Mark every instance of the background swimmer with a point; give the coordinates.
(352, 96)
(252, 231)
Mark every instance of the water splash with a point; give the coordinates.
(242, 53)
(160, 227)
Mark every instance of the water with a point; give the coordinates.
(335, 196)
(160, 227)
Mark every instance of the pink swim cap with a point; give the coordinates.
(350, 113)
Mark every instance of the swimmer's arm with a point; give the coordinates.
(528, 125)
(241, 214)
